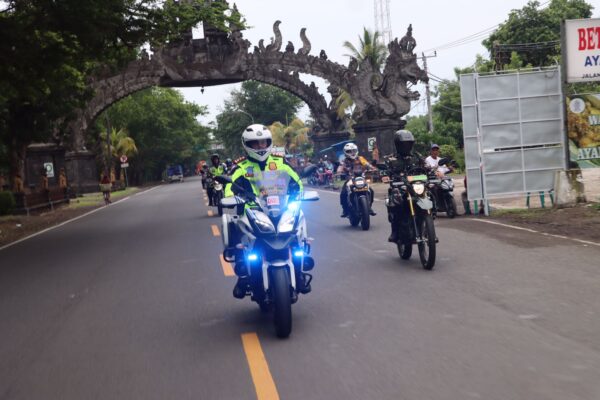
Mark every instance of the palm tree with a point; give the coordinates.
(371, 48)
(293, 137)
(120, 143)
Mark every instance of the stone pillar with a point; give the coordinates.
(81, 170)
(382, 130)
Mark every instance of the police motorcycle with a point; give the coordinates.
(273, 247)
(443, 192)
(359, 201)
(412, 194)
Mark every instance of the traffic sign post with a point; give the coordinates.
(124, 165)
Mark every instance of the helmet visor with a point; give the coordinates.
(258, 144)
(351, 152)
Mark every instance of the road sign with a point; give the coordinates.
(49, 167)
(124, 165)
(123, 158)
(371, 143)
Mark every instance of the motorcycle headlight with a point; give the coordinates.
(263, 222)
(419, 188)
(286, 222)
(359, 183)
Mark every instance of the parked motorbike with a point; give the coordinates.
(273, 249)
(443, 192)
(412, 195)
(321, 177)
(217, 193)
(359, 201)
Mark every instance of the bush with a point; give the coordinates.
(7, 203)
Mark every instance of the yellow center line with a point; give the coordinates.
(210, 213)
(227, 269)
(259, 369)
(215, 230)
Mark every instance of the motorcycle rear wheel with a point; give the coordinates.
(427, 244)
(282, 302)
(365, 218)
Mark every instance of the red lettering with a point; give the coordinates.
(590, 38)
(582, 41)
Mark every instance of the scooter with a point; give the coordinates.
(443, 192)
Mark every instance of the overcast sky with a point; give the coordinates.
(436, 24)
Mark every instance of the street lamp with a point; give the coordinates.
(244, 112)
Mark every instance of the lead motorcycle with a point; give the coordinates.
(273, 247)
(411, 193)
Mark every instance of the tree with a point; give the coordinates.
(534, 33)
(254, 102)
(49, 49)
(294, 137)
(164, 128)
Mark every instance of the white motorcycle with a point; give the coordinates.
(268, 242)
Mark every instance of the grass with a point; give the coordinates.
(94, 199)
(520, 212)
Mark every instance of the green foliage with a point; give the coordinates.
(539, 27)
(293, 137)
(256, 101)
(7, 202)
(164, 129)
(49, 49)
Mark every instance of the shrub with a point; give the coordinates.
(7, 203)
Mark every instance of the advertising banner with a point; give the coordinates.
(582, 50)
(583, 115)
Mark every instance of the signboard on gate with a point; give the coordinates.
(49, 167)
(581, 51)
(371, 143)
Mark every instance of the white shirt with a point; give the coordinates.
(433, 164)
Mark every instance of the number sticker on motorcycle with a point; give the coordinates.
(273, 200)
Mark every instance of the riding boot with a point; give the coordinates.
(241, 287)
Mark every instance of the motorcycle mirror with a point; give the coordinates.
(308, 171)
(223, 179)
(443, 161)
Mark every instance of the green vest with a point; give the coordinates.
(250, 171)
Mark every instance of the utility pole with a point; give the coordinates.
(427, 92)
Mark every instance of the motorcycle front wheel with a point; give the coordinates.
(451, 207)
(219, 196)
(426, 243)
(282, 302)
(404, 249)
(365, 218)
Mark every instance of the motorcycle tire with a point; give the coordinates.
(451, 208)
(404, 249)
(219, 196)
(282, 301)
(365, 218)
(427, 243)
(354, 219)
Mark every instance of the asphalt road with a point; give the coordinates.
(132, 302)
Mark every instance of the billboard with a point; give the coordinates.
(583, 129)
(581, 50)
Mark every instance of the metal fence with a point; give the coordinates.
(513, 129)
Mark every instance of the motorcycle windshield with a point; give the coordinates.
(273, 188)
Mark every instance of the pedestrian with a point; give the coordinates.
(62, 181)
(105, 187)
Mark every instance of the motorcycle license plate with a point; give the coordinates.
(417, 178)
(361, 190)
(273, 200)
(385, 179)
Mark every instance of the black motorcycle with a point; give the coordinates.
(217, 193)
(359, 201)
(411, 193)
(443, 192)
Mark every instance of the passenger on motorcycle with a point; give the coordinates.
(352, 164)
(215, 169)
(433, 160)
(398, 167)
(257, 142)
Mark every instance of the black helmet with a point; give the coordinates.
(228, 161)
(404, 141)
(212, 158)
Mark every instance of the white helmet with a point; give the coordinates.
(351, 151)
(251, 140)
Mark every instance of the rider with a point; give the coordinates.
(247, 173)
(229, 166)
(215, 169)
(433, 160)
(353, 163)
(398, 167)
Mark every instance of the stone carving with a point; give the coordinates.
(220, 57)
